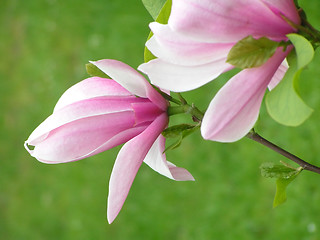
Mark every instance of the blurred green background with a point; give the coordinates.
(44, 46)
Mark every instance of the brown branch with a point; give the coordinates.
(305, 165)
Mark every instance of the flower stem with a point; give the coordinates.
(305, 165)
(176, 110)
(168, 97)
(182, 100)
(183, 107)
(196, 114)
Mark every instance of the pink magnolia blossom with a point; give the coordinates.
(98, 114)
(192, 49)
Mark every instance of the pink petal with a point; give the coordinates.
(235, 109)
(226, 21)
(90, 88)
(131, 80)
(279, 74)
(127, 164)
(81, 138)
(178, 78)
(125, 75)
(177, 49)
(145, 112)
(156, 159)
(284, 7)
(82, 109)
(118, 139)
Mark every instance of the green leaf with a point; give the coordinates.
(162, 18)
(303, 48)
(250, 52)
(94, 71)
(153, 7)
(180, 132)
(271, 170)
(297, 4)
(177, 130)
(174, 145)
(284, 103)
(284, 173)
(282, 184)
(164, 14)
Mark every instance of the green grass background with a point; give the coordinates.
(44, 46)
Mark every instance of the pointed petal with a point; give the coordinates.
(128, 163)
(177, 49)
(91, 88)
(226, 21)
(179, 78)
(81, 138)
(235, 109)
(112, 142)
(131, 80)
(156, 159)
(79, 110)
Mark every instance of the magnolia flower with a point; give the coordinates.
(192, 49)
(98, 114)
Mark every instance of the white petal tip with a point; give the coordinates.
(181, 174)
(187, 179)
(111, 217)
(141, 67)
(27, 147)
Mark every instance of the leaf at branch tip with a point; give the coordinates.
(285, 174)
(284, 104)
(281, 195)
(153, 7)
(94, 71)
(250, 52)
(161, 18)
(271, 170)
